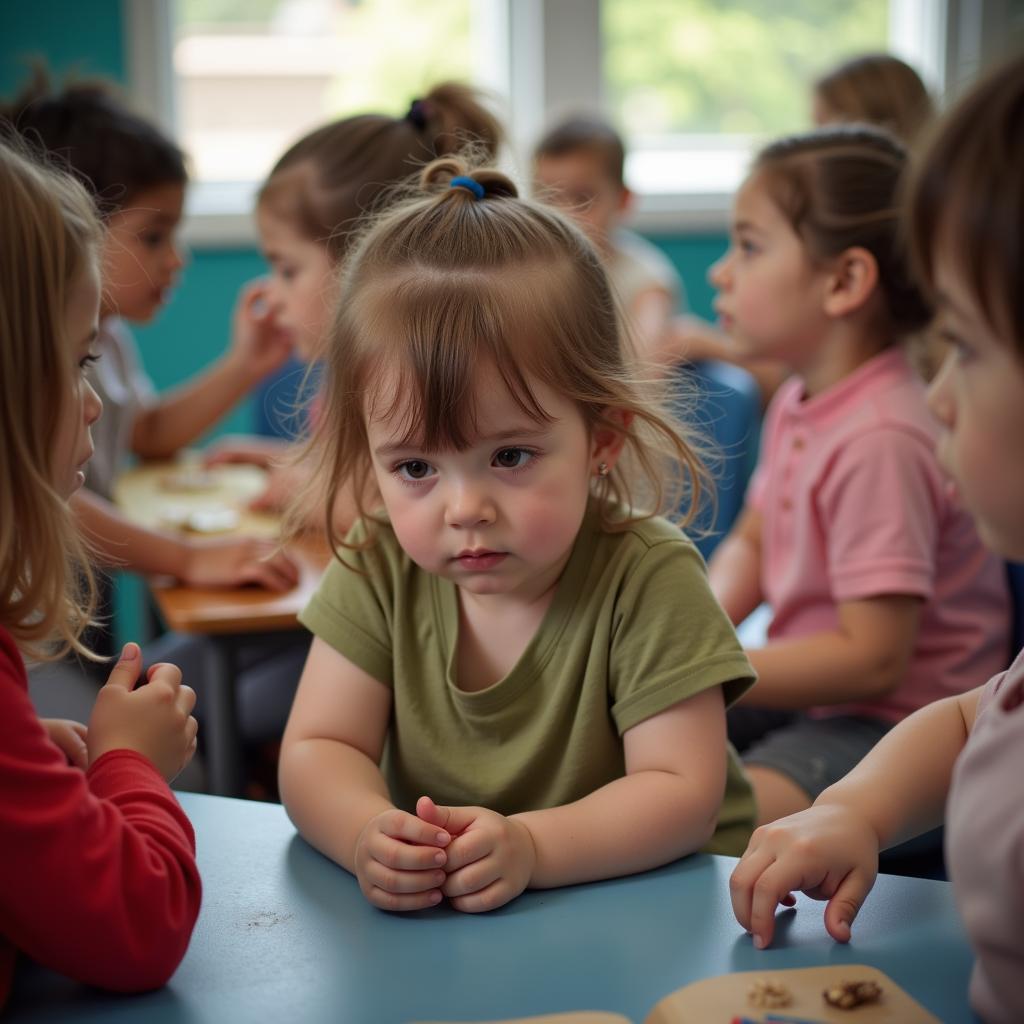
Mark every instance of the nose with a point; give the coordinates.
(718, 272)
(940, 392)
(468, 505)
(176, 256)
(93, 405)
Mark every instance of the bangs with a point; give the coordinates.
(423, 344)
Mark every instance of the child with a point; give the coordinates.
(499, 692)
(875, 88)
(100, 880)
(883, 598)
(965, 221)
(579, 165)
(138, 177)
(307, 212)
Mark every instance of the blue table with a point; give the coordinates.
(286, 936)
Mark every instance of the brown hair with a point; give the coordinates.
(877, 89)
(839, 187)
(591, 135)
(86, 126)
(966, 196)
(328, 180)
(446, 283)
(50, 237)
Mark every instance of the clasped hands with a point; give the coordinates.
(475, 857)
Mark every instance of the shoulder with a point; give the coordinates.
(643, 552)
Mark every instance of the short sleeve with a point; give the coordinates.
(671, 639)
(881, 501)
(353, 606)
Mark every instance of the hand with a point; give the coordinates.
(70, 737)
(253, 451)
(400, 860)
(258, 344)
(490, 859)
(827, 851)
(155, 720)
(236, 561)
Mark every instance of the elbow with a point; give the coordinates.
(883, 675)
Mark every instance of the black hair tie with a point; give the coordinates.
(417, 114)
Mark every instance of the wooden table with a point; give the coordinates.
(227, 615)
(285, 935)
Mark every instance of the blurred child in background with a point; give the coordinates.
(100, 879)
(882, 596)
(964, 754)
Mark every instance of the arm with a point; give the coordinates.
(735, 569)
(866, 657)
(257, 349)
(336, 732)
(232, 561)
(830, 851)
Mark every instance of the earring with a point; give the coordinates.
(602, 469)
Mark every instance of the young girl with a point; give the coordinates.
(883, 598)
(500, 693)
(966, 220)
(100, 879)
(307, 213)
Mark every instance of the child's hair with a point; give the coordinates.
(586, 134)
(839, 187)
(328, 181)
(878, 89)
(116, 153)
(966, 199)
(50, 236)
(446, 283)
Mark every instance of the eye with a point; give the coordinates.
(512, 458)
(962, 350)
(414, 470)
(88, 360)
(746, 246)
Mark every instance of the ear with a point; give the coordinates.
(851, 283)
(625, 201)
(607, 441)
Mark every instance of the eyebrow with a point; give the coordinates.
(520, 434)
(745, 225)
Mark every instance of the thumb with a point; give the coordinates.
(78, 752)
(127, 669)
(845, 904)
(454, 820)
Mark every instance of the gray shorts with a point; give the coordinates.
(812, 752)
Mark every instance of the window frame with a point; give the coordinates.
(545, 56)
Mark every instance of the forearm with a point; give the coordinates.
(120, 543)
(822, 668)
(901, 786)
(331, 816)
(735, 577)
(185, 413)
(634, 823)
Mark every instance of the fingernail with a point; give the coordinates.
(435, 897)
(439, 857)
(443, 838)
(130, 652)
(758, 942)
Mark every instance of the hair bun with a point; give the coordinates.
(437, 176)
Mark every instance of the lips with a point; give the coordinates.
(480, 559)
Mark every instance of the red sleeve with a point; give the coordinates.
(99, 879)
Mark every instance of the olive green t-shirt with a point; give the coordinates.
(631, 630)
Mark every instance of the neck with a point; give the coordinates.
(846, 347)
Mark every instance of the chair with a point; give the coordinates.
(723, 404)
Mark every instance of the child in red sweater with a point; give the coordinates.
(97, 860)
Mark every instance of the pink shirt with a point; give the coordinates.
(854, 506)
(985, 847)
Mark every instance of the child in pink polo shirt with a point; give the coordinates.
(882, 596)
(966, 220)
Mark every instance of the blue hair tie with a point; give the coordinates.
(469, 185)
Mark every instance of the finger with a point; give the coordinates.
(453, 819)
(400, 855)
(126, 672)
(741, 882)
(471, 879)
(80, 729)
(76, 750)
(164, 672)
(400, 825)
(494, 896)
(192, 729)
(845, 904)
(770, 889)
(186, 698)
(404, 882)
(468, 848)
(402, 903)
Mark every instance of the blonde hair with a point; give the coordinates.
(446, 283)
(327, 182)
(50, 235)
(877, 89)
